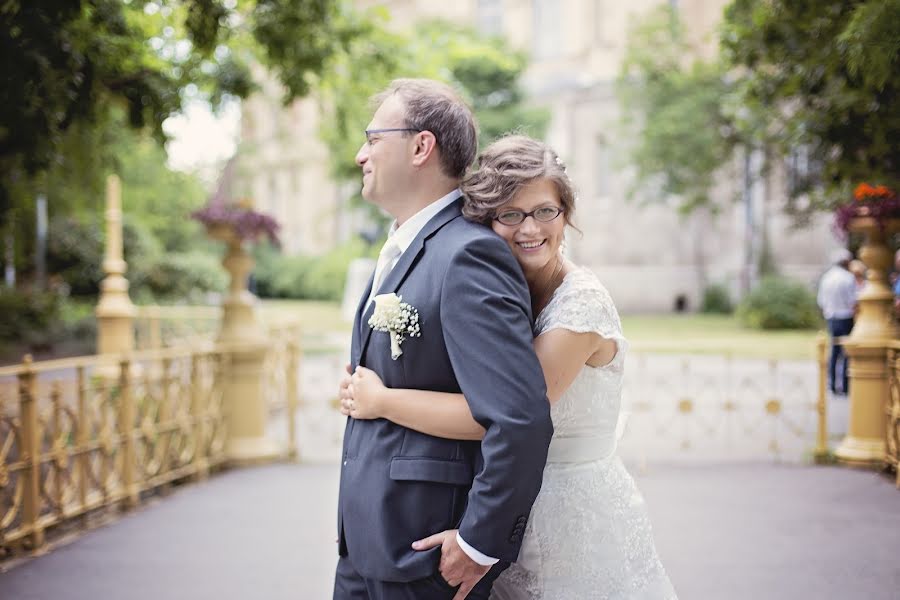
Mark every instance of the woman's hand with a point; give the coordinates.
(361, 399)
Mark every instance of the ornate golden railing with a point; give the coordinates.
(723, 408)
(80, 434)
(164, 326)
(892, 452)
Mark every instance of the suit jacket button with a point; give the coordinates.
(513, 538)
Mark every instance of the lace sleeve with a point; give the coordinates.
(582, 304)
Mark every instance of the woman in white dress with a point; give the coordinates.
(589, 534)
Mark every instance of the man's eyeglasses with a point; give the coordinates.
(375, 132)
(544, 214)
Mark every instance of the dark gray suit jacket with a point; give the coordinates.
(398, 485)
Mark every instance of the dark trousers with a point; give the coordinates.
(350, 585)
(838, 328)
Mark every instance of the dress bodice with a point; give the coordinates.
(590, 406)
(588, 536)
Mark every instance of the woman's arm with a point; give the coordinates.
(562, 354)
(439, 414)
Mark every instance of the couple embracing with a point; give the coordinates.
(485, 381)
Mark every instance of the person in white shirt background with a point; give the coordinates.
(837, 298)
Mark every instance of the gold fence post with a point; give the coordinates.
(821, 452)
(31, 453)
(198, 417)
(60, 456)
(127, 433)
(292, 396)
(82, 464)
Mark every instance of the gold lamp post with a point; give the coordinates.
(115, 312)
(866, 347)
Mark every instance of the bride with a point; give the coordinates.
(589, 534)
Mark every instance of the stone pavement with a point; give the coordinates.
(724, 531)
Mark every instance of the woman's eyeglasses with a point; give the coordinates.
(544, 214)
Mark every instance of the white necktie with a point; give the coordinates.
(389, 253)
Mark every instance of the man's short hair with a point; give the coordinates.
(841, 256)
(434, 106)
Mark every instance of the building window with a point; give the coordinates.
(547, 28)
(490, 17)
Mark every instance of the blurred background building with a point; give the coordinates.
(652, 258)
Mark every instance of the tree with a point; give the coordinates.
(827, 72)
(68, 63)
(679, 132)
(484, 70)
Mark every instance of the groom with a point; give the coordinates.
(398, 485)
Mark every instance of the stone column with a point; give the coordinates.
(115, 312)
(245, 338)
(866, 348)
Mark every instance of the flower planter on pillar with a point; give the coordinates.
(867, 346)
(242, 332)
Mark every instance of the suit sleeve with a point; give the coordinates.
(486, 321)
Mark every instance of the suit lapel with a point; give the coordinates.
(358, 323)
(404, 265)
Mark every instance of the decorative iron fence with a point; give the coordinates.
(892, 407)
(721, 408)
(84, 433)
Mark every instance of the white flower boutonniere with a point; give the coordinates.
(396, 317)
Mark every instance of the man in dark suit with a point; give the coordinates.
(398, 485)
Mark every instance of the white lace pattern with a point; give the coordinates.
(588, 535)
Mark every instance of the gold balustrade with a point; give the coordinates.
(74, 440)
(892, 408)
(165, 326)
(717, 407)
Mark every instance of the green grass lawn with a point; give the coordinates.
(704, 334)
(715, 334)
(314, 316)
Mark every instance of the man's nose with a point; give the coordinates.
(363, 155)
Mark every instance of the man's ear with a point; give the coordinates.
(425, 147)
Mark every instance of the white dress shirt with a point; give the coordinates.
(837, 293)
(403, 236)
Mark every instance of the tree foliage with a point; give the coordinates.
(672, 104)
(827, 72)
(68, 63)
(484, 70)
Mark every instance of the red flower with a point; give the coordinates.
(863, 191)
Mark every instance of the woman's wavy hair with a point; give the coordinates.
(505, 167)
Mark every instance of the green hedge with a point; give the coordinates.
(778, 303)
(716, 300)
(306, 277)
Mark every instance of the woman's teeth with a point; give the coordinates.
(530, 245)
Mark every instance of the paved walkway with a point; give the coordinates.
(725, 532)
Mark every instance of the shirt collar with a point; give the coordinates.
(404, 235)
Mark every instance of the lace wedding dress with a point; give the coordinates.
(589, 533)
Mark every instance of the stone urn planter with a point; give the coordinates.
(241, 332)
(874, 330)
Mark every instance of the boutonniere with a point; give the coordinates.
(396, 317)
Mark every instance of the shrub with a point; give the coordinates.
(305, 277)
(75, 253)
(186, 276)
(779, 303)
(26, 315)
(716, 300)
